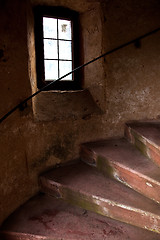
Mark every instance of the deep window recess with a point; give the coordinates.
(57, 47)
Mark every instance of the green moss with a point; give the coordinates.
(104, 166)
(60, 149)
(81, 200)
(152, 229)
(139, 144)
(88, 202)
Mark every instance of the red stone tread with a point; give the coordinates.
(129, 164)
(150, 130)
(86, 187)
(146, 136)
(46, 218)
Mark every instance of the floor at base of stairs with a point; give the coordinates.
(47, 218)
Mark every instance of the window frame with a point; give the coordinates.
(61, 13)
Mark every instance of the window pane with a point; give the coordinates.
(50, 49)
(65, 67)
(65, 50)
(49, 27)
(51, 70)
(64, 29)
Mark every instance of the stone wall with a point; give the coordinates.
(124, 86)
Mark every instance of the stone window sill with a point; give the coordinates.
(62, 105)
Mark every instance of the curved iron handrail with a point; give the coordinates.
(22, 104)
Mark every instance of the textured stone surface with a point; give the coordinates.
(86, 187)
(50, 219)
(125, 163)
(125, 85)
(146, 137)
(62, 105)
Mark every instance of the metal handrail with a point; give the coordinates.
(22, 104)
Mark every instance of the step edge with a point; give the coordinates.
(143, 138)
(23, 236)
(110, 202)
(102, 210)
(114, 162)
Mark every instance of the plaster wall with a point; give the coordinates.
(132, 74)
(124, 86)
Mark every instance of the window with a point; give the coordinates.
(57, 47)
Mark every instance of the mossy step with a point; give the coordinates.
(47, 218)
(86, 187)
(146, 137)
(124, 162)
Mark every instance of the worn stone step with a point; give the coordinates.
(124, 162)
(86, 187)
(146, 137)
(47, 218)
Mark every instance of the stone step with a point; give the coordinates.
(125, 163)
(86, 187)
(47, 218)
(146, 137)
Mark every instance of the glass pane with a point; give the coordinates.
(65, 50)
(65, 67)
(49, 27)
(50, 49)
(64, 29)
(51, 69)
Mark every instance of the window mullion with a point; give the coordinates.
(58, 48)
